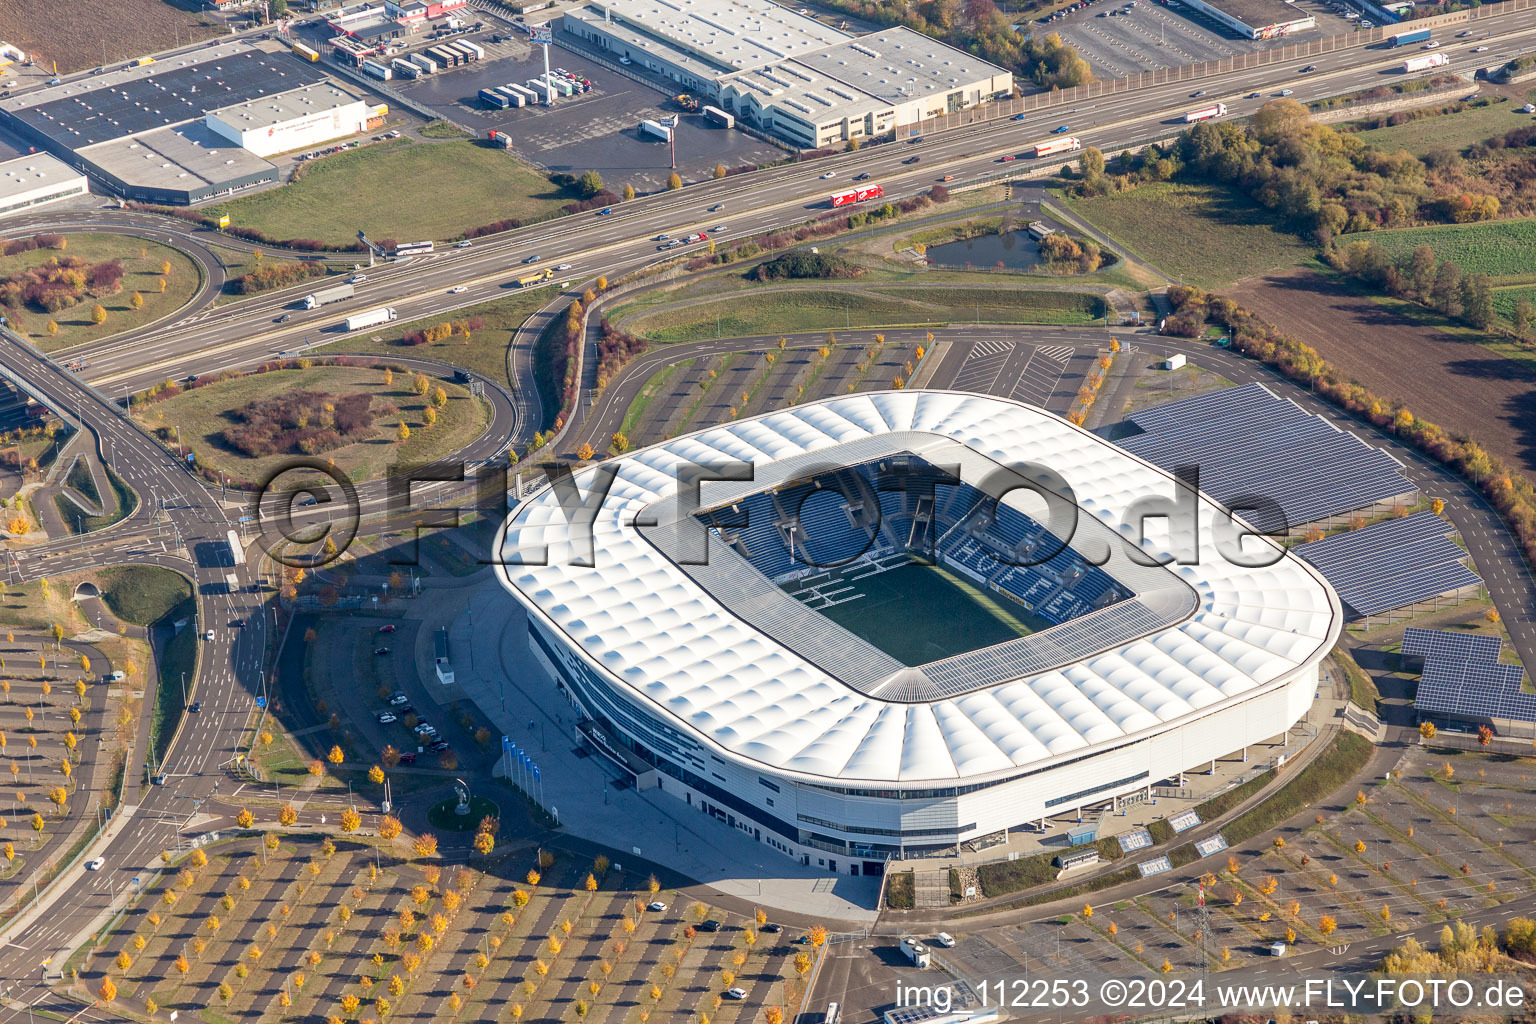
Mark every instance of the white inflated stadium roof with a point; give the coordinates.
(660, 636)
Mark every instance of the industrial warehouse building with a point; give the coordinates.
(306, 116)
(787, 73)
(772, 656)
(1255, 19)
(37, 179)
(189, 128)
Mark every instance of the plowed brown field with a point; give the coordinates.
(84, 33)
(1464, 387)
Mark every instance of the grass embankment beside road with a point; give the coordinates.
(118, 506)
(143, 266)
(467, 184)
(484, 351)
(1203, 235)
(1455, 131)
(815, 307)
(202, 414)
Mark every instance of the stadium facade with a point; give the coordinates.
(741, 644)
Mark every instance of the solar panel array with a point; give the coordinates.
(1427, 643)
(1391, 564)
(1463, 677)
(1248, 443)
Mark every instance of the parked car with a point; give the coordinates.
(709, 925)
(735, 993)
(397, 699)
(656, 906)
(388, 627)
(386, 717)
(409, 757)
(381, 650)
(771, 928)
(438, 746)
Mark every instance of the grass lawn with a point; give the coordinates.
(648, 393)
(360, 190)
(119, 506)
(893, 600)
(202, 414)
(1204, 235)
(816, 308)
(141, 594)
(142, 275)
(485, 351)
(1498, 248)
(1448, 131)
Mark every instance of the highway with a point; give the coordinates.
(238, 333)
(182, 525)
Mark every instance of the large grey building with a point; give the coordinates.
(787, 73)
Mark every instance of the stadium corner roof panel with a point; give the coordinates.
(665, 641)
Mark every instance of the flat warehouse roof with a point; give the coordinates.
(737, 33)
(1259, 13)
(184, 157)
(34, 171)
(92, 111)
(285, 106)
(890, 63)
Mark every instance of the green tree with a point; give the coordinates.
(1091, 163)
(1477, 301)
(1524, 316)
(589, 184)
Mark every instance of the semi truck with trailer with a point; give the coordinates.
(1425, 62)
(374, 69)
(494, 99)
(1064, 144)
(316, 299)
(369, 318)
(404, 68)
(1206, 113)
(860, 194)
(1413, 35)
(422, 61)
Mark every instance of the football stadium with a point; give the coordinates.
(889, 623)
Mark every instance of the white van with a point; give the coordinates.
(117, 676)
(944, 939)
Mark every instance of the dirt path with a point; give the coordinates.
(1465, 388)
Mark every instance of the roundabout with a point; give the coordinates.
(444, 814)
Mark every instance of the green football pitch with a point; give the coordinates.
(919, 613)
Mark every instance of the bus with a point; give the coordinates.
(236, 549)
(413, 248)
